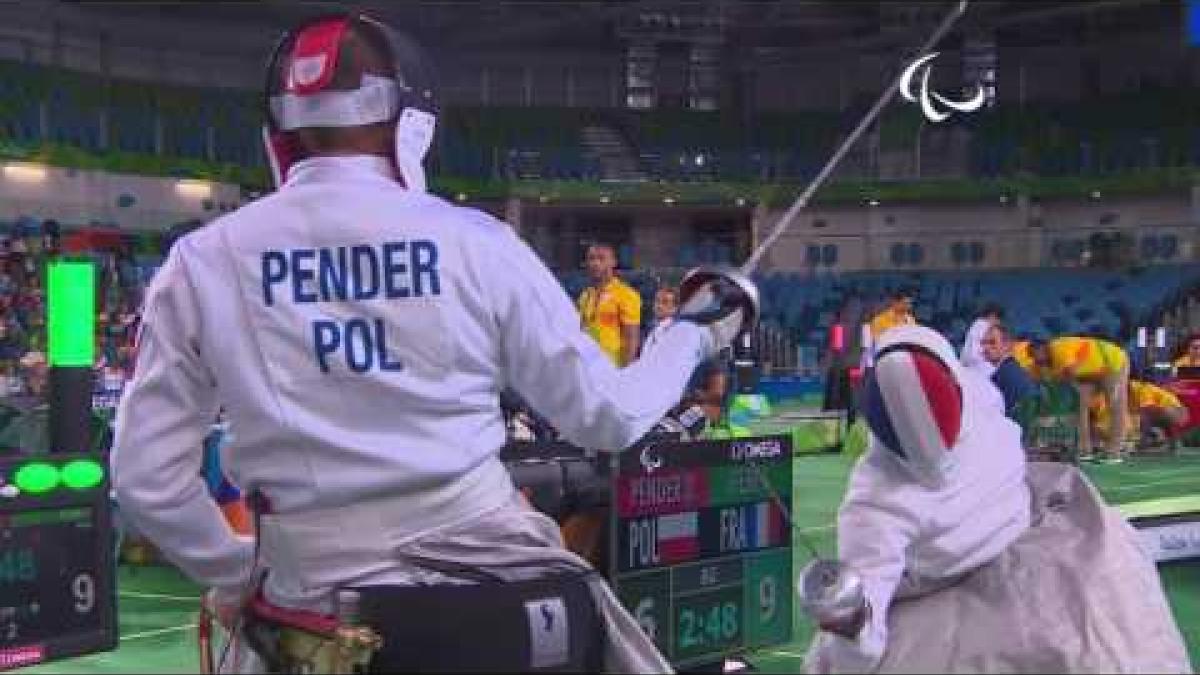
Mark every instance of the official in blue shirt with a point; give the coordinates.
(1014, 383)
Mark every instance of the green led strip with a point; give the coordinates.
(71, 313)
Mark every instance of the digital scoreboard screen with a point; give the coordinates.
(57, 581)
(703, 555)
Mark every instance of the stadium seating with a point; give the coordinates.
(1132, 132)
(1039, 302)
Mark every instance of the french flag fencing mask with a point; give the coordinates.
(913, 402)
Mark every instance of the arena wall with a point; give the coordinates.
(1013, 234)
(75, 197)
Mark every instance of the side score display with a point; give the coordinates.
(57, 578)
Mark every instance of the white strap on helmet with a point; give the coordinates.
(376, 100)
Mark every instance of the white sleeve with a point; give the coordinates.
(873, 538)
(158, 447)
(561, 372)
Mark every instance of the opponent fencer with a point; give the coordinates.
(956, 557)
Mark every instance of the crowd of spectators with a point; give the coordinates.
(24, 366)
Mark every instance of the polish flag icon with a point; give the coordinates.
(678, 539)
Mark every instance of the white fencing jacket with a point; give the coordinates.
(904, 538)
(358, 335)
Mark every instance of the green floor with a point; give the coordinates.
(157, 607)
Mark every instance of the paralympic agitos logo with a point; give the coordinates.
(928, 98)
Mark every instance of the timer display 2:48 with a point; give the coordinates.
(708, 623)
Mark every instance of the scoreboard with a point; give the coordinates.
(703, 555)
(57, 575)
(698, 551)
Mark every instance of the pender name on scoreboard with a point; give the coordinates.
(703, 556)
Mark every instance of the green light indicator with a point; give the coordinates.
(36, 478)
(82, 474)
(71, 313)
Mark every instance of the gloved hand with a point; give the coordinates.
(721, 299)
(833, 595)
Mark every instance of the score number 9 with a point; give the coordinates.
(768, 594)
(83, 589)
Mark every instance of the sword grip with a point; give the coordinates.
(833, 594)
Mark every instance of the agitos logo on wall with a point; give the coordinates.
(931, 101)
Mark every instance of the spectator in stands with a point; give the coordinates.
(1190, 356)
(666, 303)
(34, 375)
(112, 337)
(11, 344)
(1002, 368)
(972, 350)
(1089, 364)
(51, 236)
(897, 313)
(610, 310)
(14, 384)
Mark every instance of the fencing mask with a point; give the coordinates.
(913, 402)
(303, 92)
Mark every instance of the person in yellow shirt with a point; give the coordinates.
(1152, 409)
(609, 310)
(1191, 353)
(1022, 351)
(897, 313)
(1092, 365)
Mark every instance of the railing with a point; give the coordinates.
(779, 352)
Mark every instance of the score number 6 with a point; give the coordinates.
(83, 587)
(644, 614)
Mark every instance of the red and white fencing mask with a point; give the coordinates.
(300, 93)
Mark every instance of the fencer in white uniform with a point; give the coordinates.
(972, 560)
(949, 498)
(357, 332)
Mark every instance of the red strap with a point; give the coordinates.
(310, 622)
(315, 56)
